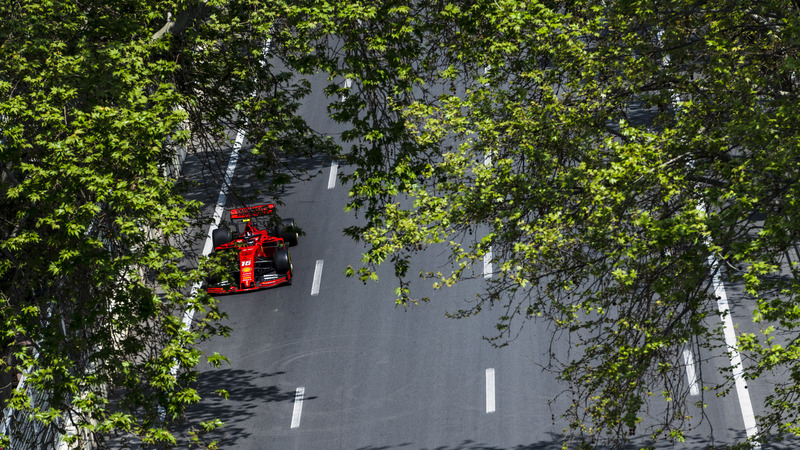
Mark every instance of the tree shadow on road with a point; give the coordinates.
(247, 390)
(557, 442)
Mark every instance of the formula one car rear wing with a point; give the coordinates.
(247, 212)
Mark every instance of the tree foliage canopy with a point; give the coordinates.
(98, 101)
(610, 157)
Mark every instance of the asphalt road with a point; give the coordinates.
(331, 363)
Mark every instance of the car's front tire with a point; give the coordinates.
(220, 236)
(283, 262)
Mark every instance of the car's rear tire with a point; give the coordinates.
(288, 232)
(283, 262)
(220, 236)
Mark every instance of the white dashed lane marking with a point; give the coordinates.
(490, 405)
(317, 278)
(298, 406)
(487, 264)
(332, 176)
(348, 83)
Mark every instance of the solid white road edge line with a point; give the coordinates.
(188, 315)
(490, 405)
(745, 405)
(691, 373)
(223, 193)
(317, 277)
(298, 406)
(332, 176)
(736, 360)
(487, 264)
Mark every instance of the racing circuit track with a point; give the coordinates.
(331, 363)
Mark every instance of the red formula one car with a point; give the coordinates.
(258, 258)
